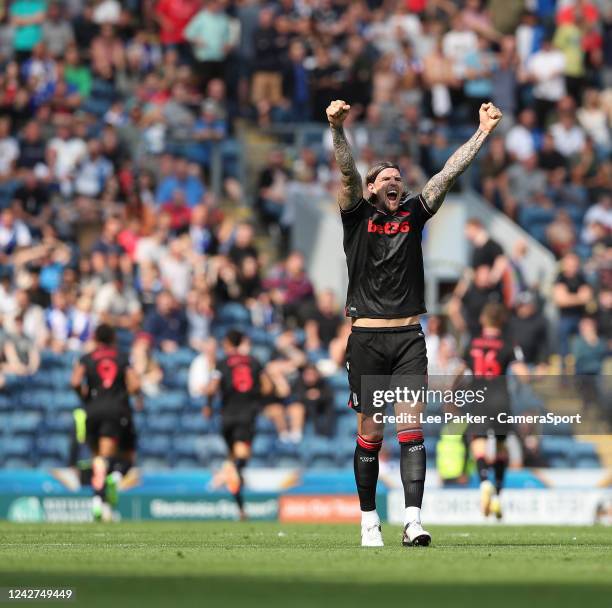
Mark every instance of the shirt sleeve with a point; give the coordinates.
(354, 214)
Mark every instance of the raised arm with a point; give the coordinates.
(436, 188)
(352, 188)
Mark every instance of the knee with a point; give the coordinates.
(411, 436)
(372, 442)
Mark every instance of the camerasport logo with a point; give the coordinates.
(388, 228)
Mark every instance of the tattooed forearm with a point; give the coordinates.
(352, 189)
(436, 188)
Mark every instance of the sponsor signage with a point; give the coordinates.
(77, 509)
(330, 509)
(521, 507)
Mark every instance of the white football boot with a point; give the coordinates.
(371, 536)
(415, 536)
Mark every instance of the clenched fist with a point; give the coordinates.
(489, 117)
(337, 111)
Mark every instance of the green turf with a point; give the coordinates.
(263, 564)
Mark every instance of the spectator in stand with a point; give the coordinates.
(567, 134)
(183, 176)
(545, 69)
(27, 17)
(313, 401)
(571, 294)
(486, 251)
(529, 331)
(57, 32)
(167, 323)
(201, 369)
(116, 303)
(31, 147)
(200, 313)
(568, 38)
(208, 130)
(173, 17)
(145, 366)
(176, 270)
(9, 150)
(322, 324)
(14, 235)
(272, 184)
(178, 211)
(58, 321)
(20, 353)
(209, 35)
(590, 351)
(521, 138)
(291, 286)
(467, 301)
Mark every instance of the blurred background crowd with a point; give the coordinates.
(127, 193)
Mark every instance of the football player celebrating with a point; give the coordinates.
(386, 295)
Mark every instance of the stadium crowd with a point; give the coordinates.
(111, 114)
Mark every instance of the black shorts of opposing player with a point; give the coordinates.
(387, 355)
(108, 403)
(115, 425)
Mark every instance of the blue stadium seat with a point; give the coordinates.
(17, 463)
(25, 422)
(214, 447)
(322, 463)
(167, 401)
(339, 381)
(20, 447)
(154, 445)
(346, 426)
(162, 423)
(153, 464)
(262, 446)
(36, 399)
(6, 402)
(56, 446)
(178, 379)
(262, 353)
(50, 463)
(190, 446)
(233, 313)
(59, 421)
(66, 400)
(194, 422)
(264, 426)
(341, 400)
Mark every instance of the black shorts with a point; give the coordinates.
(118, 426)
(234, 431)
(390, 351)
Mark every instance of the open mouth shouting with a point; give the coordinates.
(393, 194)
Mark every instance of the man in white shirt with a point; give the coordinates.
(568, 135)
(64, 152)
(9, 148)
(546, 69)
(14, 234)
(457, 43)
(519, 139)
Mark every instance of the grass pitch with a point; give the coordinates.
(271, 564)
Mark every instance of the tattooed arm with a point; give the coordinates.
(352, 188)
(436, 188)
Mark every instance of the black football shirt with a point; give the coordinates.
(105, 372)
(240, 387)
(385, 259)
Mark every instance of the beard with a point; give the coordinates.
(389, 198)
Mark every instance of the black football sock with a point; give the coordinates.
(499, 468)
(366, 471)
(413, 461)
(240, 463)
(483, 469)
